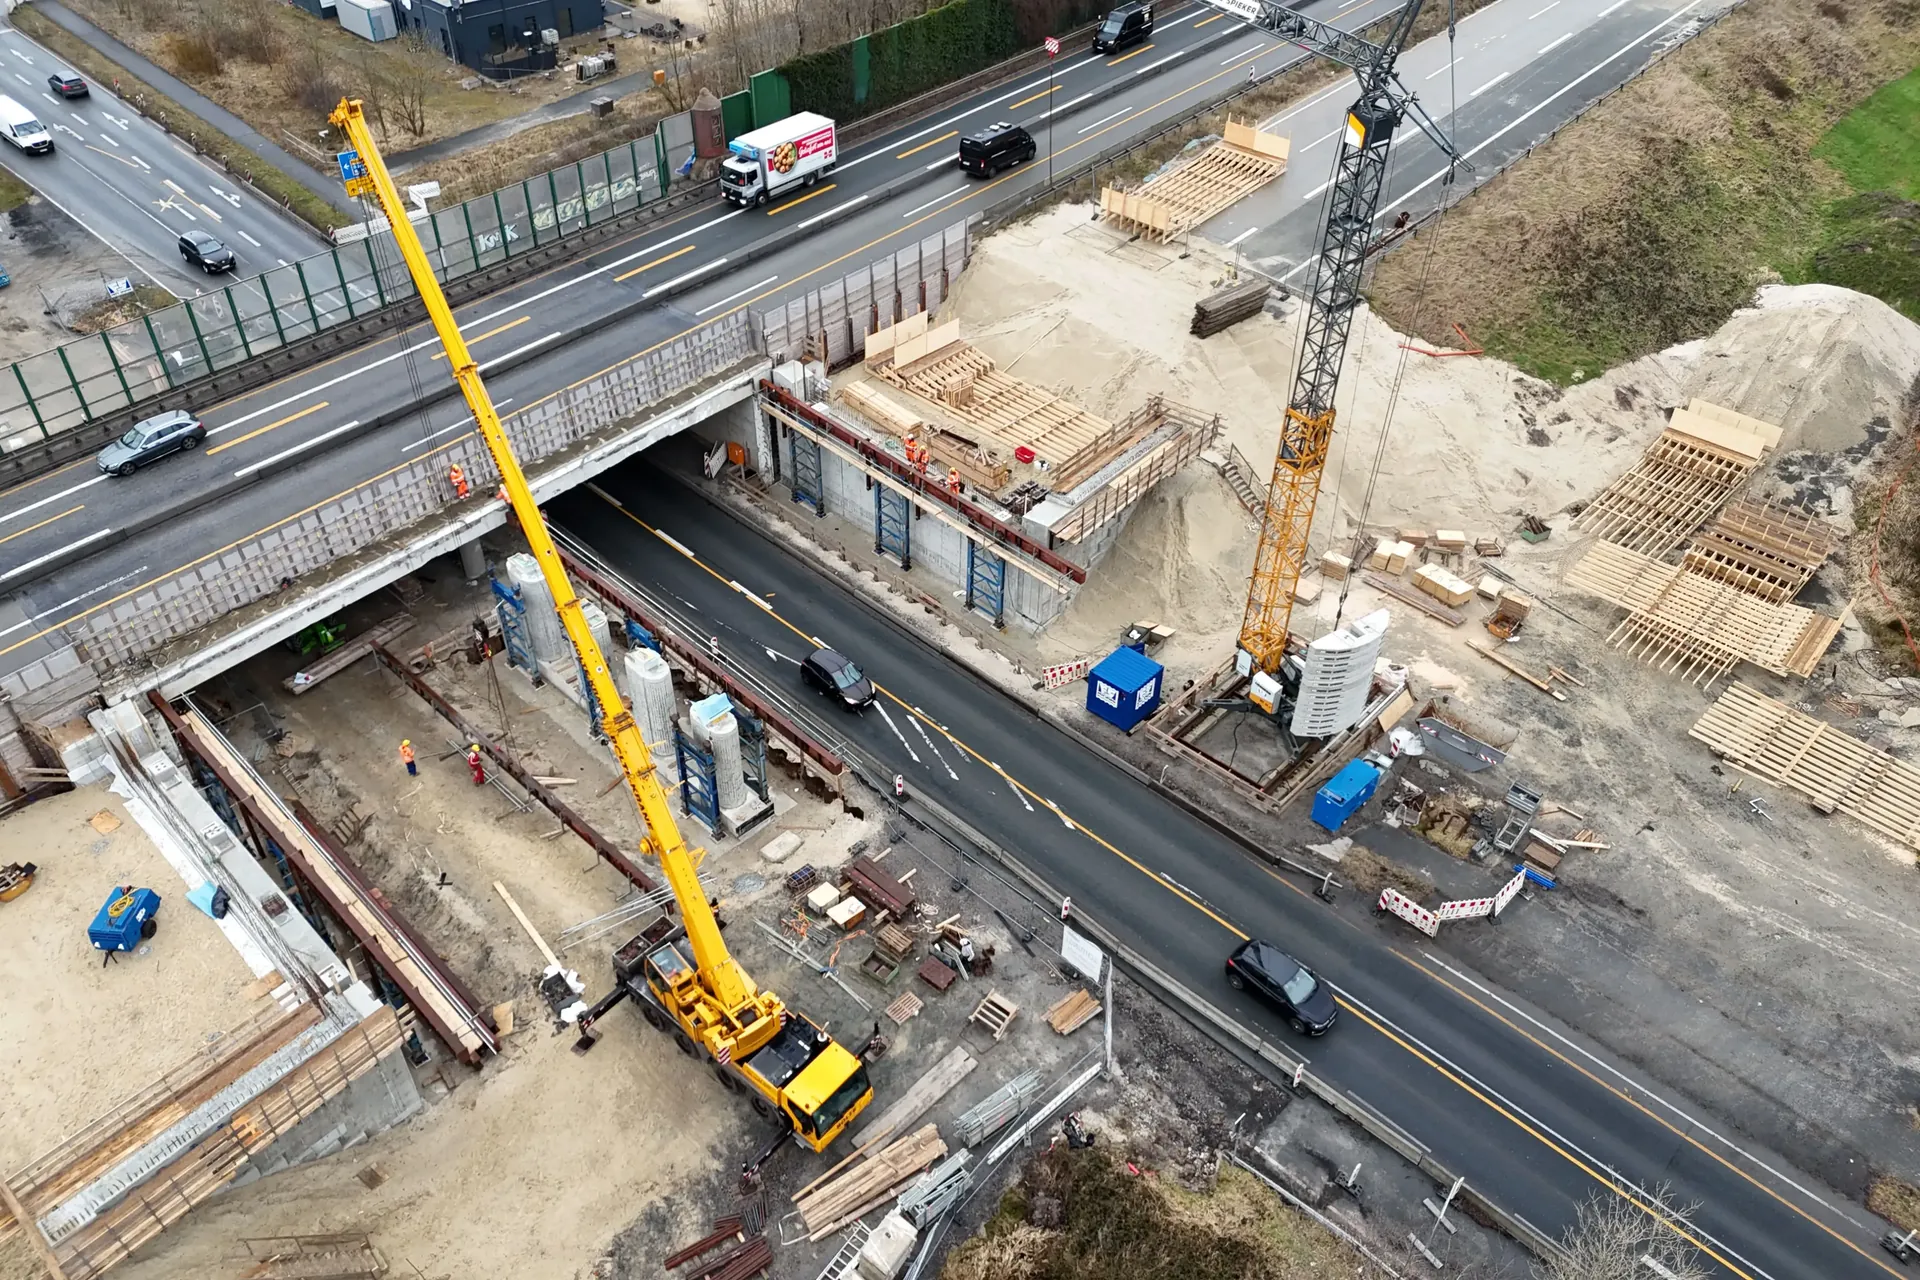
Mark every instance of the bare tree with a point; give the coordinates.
(1617, 1237)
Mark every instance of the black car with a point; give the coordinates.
(152, 438)
(835, 674)
(203, 251)
(1129, 24)
(1266, 969)
(67, 84)
(996, 147)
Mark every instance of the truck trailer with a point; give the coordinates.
(785, 155)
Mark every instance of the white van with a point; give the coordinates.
(22, 128)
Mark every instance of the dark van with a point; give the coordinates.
(996, 147)
(1129, 24)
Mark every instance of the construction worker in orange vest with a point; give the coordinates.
(458, 479)
(953, 480)
(406, 757)
(473, 763)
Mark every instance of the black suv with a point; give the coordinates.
(1286, 982)
(996, 147)
(203, 251)
(67, 84)
(1129, 24)
(835, 675)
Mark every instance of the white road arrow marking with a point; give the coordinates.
(896, 732)
(228, 196)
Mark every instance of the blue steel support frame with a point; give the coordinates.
(753, 753)
(986, 583)
(699, 798)
(513, 626)
(806, 473)
(892, 524)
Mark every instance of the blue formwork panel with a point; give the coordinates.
(1344, 793)
(1125, 688)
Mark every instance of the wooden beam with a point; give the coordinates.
(538, 941)
(31, 1230)
(1501, 659)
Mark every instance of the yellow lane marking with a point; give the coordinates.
(44, 523)
(511, 324)
(648, 266)
(260, 431)
(817, 191)
(1136, 53)
(914, 151)
(1036, 97)
(1204, 21)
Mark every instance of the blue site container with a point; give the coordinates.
(1344, 793)
(1125, 688)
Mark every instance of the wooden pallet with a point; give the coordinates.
(994, 1014)
(1683, 621)
(1173, 202)
(904, 1008)
(1072, 1011)
(1681, 480)
(1835, 771)
(1766, 549)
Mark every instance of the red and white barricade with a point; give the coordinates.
(1393, 902)
(1397, 903)
(1065, 672)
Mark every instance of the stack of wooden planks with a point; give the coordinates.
(1072, 1011)
(844, 1195)
(1176, 200)
(1766, 549)
(936, 1084)
(1704, 455)
(1835, 771)
(1228, 307)
(875, 405)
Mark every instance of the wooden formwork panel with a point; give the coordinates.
(1681, 480)
(1174, 202)
(1835, 771)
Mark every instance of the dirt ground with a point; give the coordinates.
(1711, 948)
(76, 1036)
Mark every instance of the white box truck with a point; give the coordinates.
(785, 155)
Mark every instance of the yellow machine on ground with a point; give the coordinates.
(682, 976)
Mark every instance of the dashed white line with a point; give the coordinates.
(302, 447)
(23, 80)
(838, 209)
(714, 306)
(67, 604)
(1557, 43)
(1236, 56)
(1104, 119)
(1443, 70)
(735, 584)
(1340, 87)
(1610, 8)
(1155, 65)
(54, 555)
(1317, 141)
(109, 139)
(519, 351)
(249, 239)
(922, 729)
(936, 200)
(1555, 4)
(1242, 236)
(1488, 85)
(35, 506)
(896, 732)
(1316, 191)
(681, 279)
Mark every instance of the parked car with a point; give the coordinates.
(67, 85)
(836, 675)
(1268, 971)
(207, 253)
(1129, 24)
(150, 439)
(997, 147)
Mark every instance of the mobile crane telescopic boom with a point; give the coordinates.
(814, 1082)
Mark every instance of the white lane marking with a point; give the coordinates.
(670, 540)
(281, 261)
(46, 613)
(519, 351)
(1163, 62)
(682, 278)
(936, 200)
(1554, 4)
(1022, 91)
(1060, 813)
(1019, 795)
(302, 447)
(896, 732)
(1642, 1090)
(735, 584)
(1451, 64)
(35, 506)
(110, 140)
(1610, 8)
(1316, 191)
(1242, 236)
(1317, 141)
(931, 747)
(1488, 85)
(1236, 56)
(1068, 106)
(55, 555)
(1103, 119)
(23, 80)
(1340, 87)
(172, 186)
(249, 239)
(836, 210)
(228, 196)
(941, 163)
(50, 98)
(1618, 1178)
(1557, 43)
(458, 426)
(149, 168)
(714, 306)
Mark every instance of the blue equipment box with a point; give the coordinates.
(126, 917)
(1344, 793)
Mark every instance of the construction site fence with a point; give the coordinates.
(165, 609)
(237, 321)
(832, 323)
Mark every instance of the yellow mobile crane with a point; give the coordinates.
(754, 1042)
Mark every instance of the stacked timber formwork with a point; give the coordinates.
(1176, 200)
(846, 1194)
(1698, 462)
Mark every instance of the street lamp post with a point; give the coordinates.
(1053, 51)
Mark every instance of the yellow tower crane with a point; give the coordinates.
(755, 1043)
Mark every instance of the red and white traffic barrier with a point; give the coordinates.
(1065, 672)
(1393, 902)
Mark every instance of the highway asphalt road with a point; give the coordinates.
(1528, 1113)
(128, 181)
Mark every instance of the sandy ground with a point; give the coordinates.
(56, 265)
(76, 1036)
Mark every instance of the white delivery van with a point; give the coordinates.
(786, 154)
(23, 129)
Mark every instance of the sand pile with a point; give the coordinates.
(1471, 443)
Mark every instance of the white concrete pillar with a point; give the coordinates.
(650, 691)
(473, 561)
(544, 632)
(729, 784)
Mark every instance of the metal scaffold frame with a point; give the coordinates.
(892, 525)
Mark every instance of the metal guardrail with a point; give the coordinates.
(64, 402)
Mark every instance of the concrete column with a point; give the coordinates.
(473, 561)
(723, 738)
(544, 632)
(650, 690)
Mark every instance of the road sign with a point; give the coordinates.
(351, 166)
(1053, 46)
(120, 288)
